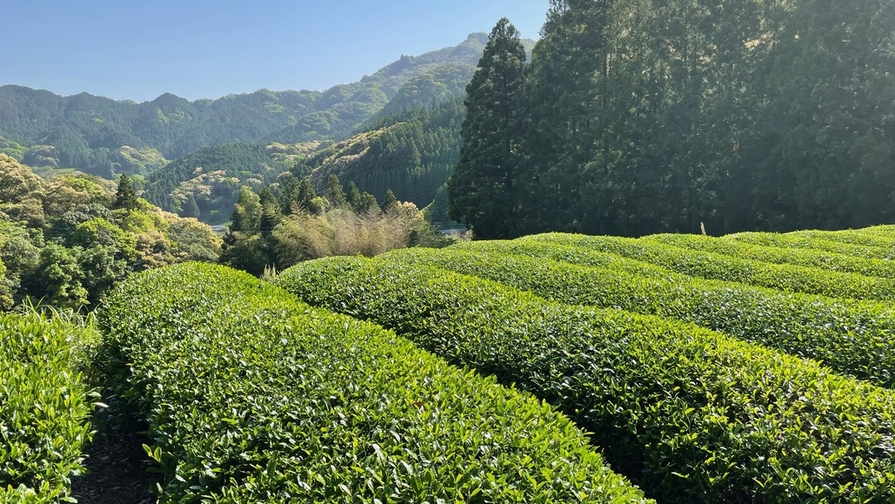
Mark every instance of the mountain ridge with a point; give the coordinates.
(84, 131)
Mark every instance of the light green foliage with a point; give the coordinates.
(711, 265)
(830, 261)
(791, 241)
(12, 149)
(689, 414)
(251, 396)
(99, 231)
(58, 277)
(194, 239)
(44, 407)
(136, 162)
(877, 236)
(850, 337)
(63, 245)
(6, 300)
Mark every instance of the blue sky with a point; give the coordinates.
(139, 49)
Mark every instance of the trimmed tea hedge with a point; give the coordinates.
(570, 254)
(720, 267)
(690, 414)
(251, 396)
(814, 258)
(849, 337)
(44, 408)
(868, 237)
(886, 231)
(801, 242)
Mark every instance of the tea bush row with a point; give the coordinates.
(877, 236)
(690, 414)
(44, 407)
(720, 267)
(795, 256)
(252, 396)
(803, 242)
(849, 337)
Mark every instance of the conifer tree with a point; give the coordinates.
(334, 192)
(353, 196)
(389, 201)
(125, 197)
(191, 208)
(481, 189)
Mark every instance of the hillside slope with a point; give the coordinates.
(88, 132)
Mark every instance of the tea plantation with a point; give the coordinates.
(754, 367)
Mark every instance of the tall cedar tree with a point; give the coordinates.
(125, 197)
(481, 189)
(564, 102)
(334, 192)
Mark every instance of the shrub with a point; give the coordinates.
(251, 396)
(812, 258)
(850, 337)
(690, 414)
(44, 407)
(804, 242)
(720, 267)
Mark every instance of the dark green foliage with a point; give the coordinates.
(642, 117)
(710, 265)
(251, 396)
(482, 190)
(389, 202)
(212, 177)
(353, 195)
(44, 407)
(270, 212)
(125, 197)
(191, 208)
(412, 152)
(689, 414)
(850, 337)
(335, 194)
(565, 113)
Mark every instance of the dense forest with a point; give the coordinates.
(205, 184)
(411, 152)
(635, 117)
(65, 241)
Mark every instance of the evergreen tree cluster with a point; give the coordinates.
(636, 117)
(411, 152)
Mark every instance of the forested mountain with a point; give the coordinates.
(205, 184)
(635, 117)
(104, 136)
(411, 153)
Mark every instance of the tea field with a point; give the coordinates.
(753, 367)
